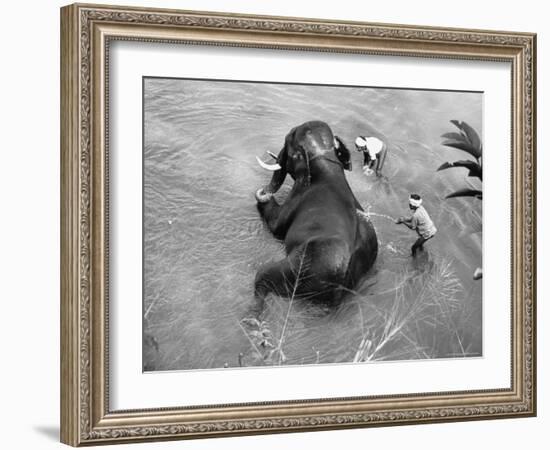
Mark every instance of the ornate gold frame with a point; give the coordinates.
(86, 31)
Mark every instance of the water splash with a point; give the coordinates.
(368, 214)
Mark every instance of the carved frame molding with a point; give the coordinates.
(86, 31)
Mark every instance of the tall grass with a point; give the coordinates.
(265, 343)
(423, 320)
(424, 315)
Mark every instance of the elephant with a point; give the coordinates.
(329, 244)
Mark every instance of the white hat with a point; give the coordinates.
(360, 141)
(414, 202)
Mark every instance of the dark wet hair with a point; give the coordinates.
(415, 196)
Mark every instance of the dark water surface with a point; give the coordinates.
(204, 240)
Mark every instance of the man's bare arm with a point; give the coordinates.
(407, 221)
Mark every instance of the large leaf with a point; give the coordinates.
(455, 136)
(474, 169)
(473, 137)
(466, 193)
(470, 134)
(464, 146)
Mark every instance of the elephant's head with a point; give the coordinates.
(303, 145)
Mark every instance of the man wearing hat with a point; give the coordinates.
(374, 153)
(419, 221)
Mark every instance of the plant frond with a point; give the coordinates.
(470, 133)
(474, 169)
(455, 136)
(466, 193)
(464, 146)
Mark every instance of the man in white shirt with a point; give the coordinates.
(374, 153)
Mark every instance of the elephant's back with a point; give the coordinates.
(322, 212)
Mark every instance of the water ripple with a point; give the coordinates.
(204, 239)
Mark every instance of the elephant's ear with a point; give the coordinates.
(342, 153)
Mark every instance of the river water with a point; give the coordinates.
(204, 240)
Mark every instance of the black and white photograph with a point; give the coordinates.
(298, 224)
(243, 225)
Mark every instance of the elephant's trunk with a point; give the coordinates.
(265, 194)
(277, 179)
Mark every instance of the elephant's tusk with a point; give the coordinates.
(271, 167)
(273, 155)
